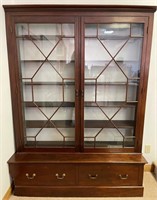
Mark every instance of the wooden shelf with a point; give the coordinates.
(86, 143)
(87, 124)
(111, 104)
(49, 83)
(113, 37)
(49, 104)
(86, 61)
(43, 37)
(41, 61)
(108, 124)
(59, 144)
(57, 123)
(106, 144)
(86, 83)
(106, 37)
(134, 83)
(86, 104)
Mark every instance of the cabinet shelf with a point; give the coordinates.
(112, 37)
(86, 143)
(41, 61)
(111, 104)
(86, 104)
(86, 83)
(42, 37)
(108, 124)
(49, 104)
(88, 124)
(110, 143)
(49, 83)
(60, 144)
(112, 83)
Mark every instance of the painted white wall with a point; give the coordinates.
(7, 142)
(6, 126)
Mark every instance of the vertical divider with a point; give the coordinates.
(77, 85)
(82, 53)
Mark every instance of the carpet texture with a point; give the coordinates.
(150, 193)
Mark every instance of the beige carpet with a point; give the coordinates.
(150, 192)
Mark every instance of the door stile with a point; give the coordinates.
(77, 85)
(82, 53)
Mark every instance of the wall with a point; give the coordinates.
(7, 142)
(6, 131)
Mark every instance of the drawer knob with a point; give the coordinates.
(60, 177)
(93, 176)
(30, 177)
(123, 177)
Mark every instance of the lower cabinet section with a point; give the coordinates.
(77, 178)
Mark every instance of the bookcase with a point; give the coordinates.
(78, 79)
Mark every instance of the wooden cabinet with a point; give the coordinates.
(78, 82)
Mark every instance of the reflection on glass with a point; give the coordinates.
(114, 31)
(47, 66)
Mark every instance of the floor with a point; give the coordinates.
(150, 192)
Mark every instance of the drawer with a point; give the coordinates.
(109, 174)
(43, 174)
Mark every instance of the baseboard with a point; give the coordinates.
(7, 194)
(155, 169)
(149, 168)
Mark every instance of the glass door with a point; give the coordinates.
(47, 76)
(112, 64)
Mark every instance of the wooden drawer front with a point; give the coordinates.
(43, 174)
(108, 174)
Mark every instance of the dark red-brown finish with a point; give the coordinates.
(70, 169)
(77, 172)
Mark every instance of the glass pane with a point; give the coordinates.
(45, 29)
(21, 29)
(112, 76)
(92, 46)
(108, 93)
(91, 30)
(68, 29)
(130, 62)
(132, 94)
(137, 30)
(47, 67)
(109, 138)
(113, 46)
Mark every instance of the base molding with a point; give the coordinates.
(7, 194)
(99, 191)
